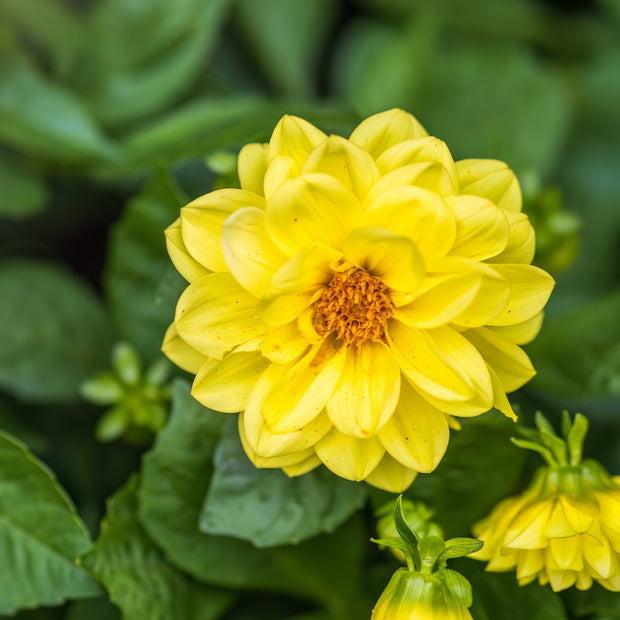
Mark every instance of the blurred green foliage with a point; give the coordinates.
(112, 114)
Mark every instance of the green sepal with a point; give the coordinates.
(459, 587)
(556, 445)
(431, 547)
(103, 389)
(126, 363)
(392, 541)
(566, 423)
(575, 438)
(112, 424)
(543, 424)
(407, 535)
(530, 445)
(459, 547)
(158, 372)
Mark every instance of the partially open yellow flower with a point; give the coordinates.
(354, 295)
(564, 529)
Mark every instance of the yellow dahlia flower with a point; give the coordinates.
(353, 295)
(565, 528)
(426, 589)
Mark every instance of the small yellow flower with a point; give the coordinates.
(355, 294)
(565, 528)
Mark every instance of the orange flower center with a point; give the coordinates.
(355, 307)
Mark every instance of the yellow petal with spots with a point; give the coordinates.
(248, 250)
(303, 467)
(416, 434)
(490, 179)
(280, 169)
(313, 207)
(349, 457)
(367, 392)
(345, 161)
(202, 219)
(381, 131)
(225, 385)
(252, 165)
(215, 314)
(284, 343)
(179, 352)
(392, 258)
(184, 262)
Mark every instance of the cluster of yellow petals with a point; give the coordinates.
(355, 294)
(558, 539)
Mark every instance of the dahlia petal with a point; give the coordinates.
(428, 175)
(215, 314)
(580, 513)
(509, 361)
(530, 563)
(314, 207)
(202, 219)
(566, 552)
(367, 392)
(390, 475)
(284, 343)
(289, 457)
(527, 529)
(503, 560)
(417, 213)
(301, 390)
(267, 443)
(500, 400)
(416, 434)
(492, 528)
(180, 353)
(520, 333)
(393, 259)
(420, 150)
(381, 131)
(248, 250)
(584, 580)
(225, 385)
(345, 161)
(482, 229)
(531, 288)
(294, 134)
(280, 169)
(349, 457)
(598, 556)
(185, 264)
(252, 165)
(440, 300)
(303, 467)
(490, 179)
(560, 580)
(493, 294)
(522, 242)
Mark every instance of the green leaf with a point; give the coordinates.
(43, 119)
(597, 602)
(23, 193)
(52, 27)
(175, 478)
(480, 467)
(139, 75)
(53, 331)
(458, 547)
(40, 535)
(92, 609)
(137, 576)
(288, 54)
(265, 506)
(577, 354)
(138, 262)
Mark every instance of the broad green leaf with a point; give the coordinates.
(175, 478)
(499, 596)
(267, 507)
(288, 54)
(23, 193)
(52, 27)
(480, 467)
(494, 101)
(138, 75)
(41, 118)
(136, 575)
(138, 262)
(41, 535)
(577, 354)
(54, 332)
